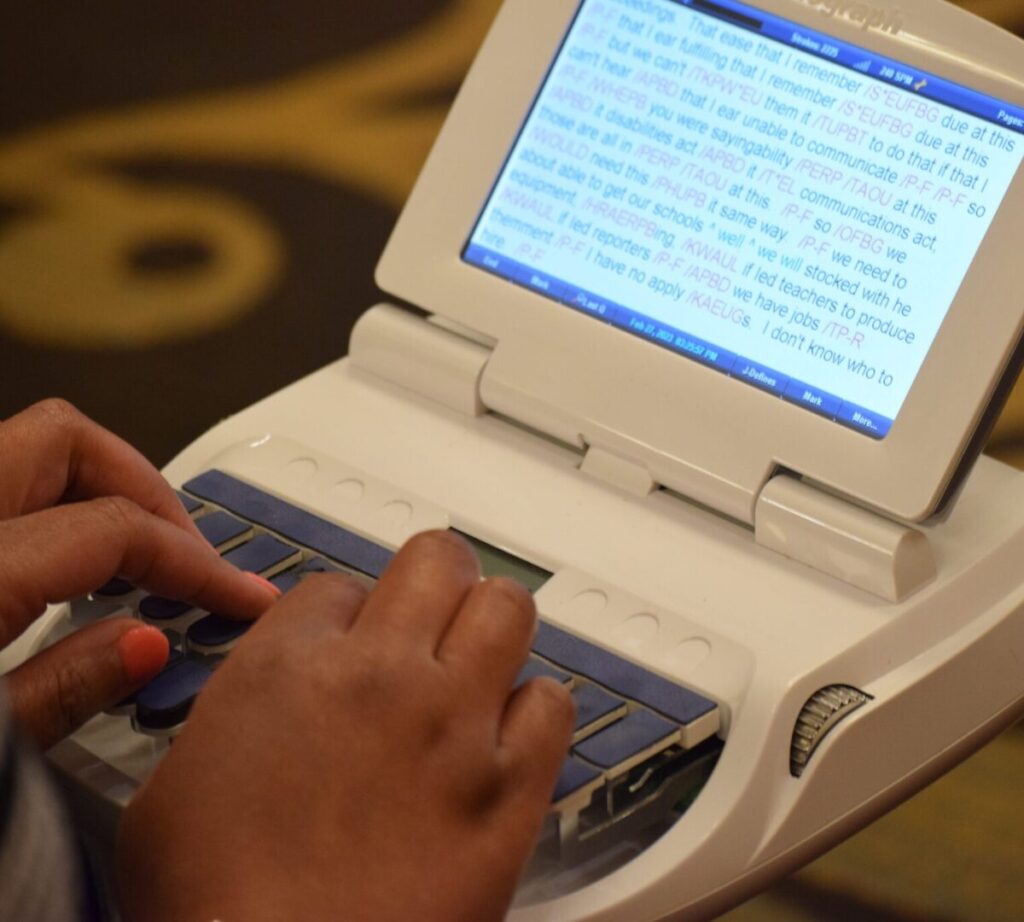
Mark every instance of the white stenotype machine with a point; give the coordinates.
(703, 311)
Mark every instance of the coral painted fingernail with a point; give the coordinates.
(143, 651)
(266, 584)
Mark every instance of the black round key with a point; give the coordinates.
(215, 631)
(157, 608)
(114, 588)
(166, 701)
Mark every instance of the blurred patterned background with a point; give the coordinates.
(193, 195)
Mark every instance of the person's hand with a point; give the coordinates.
(77, 507)
(357, 758)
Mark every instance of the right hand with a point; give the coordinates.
(357, 757)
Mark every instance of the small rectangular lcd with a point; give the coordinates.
(788, 209)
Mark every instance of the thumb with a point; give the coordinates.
(59, 689)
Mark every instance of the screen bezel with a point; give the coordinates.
(622, 391)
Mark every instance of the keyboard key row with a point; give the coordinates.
(290, 522)
(618, 675)
(628, 742)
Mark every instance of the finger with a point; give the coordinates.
(58, 690)
(330, 600)
(490, 637)
(422, 588)
(67, 551)
(51, 452)
(535, 736)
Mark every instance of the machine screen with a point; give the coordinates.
(788, 209)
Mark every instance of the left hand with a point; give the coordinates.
(78, 506)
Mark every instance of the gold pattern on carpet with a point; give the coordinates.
(67, 273)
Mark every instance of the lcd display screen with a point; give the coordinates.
(787, 209)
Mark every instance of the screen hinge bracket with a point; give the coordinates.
(834, 536)
(435, 362)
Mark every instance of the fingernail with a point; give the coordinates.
(265, 583)
(143, 651)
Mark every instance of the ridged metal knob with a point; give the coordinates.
(822, 712)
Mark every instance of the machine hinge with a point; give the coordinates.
(433, 361)
(860, 547)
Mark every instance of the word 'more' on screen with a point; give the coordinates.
(788, 209)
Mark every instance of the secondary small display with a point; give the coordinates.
(787, 209)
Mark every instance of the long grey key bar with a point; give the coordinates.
(291, 522)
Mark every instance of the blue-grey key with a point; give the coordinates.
(219, 528)
(289, 579)
(318, 565)
(574, 778)
(595, 708)
(215, 633)
(157, 608)
(166, 701)
(619, 746)
(291, 522)
(536, 667)
(263, 553)
(621, 676)
(190, 503)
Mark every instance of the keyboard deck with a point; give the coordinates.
(642, 748)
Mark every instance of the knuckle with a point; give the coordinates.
(59, 412)
(554, 698)
(510, 591)
(438, 542)
(336, 588)
(118, 512)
